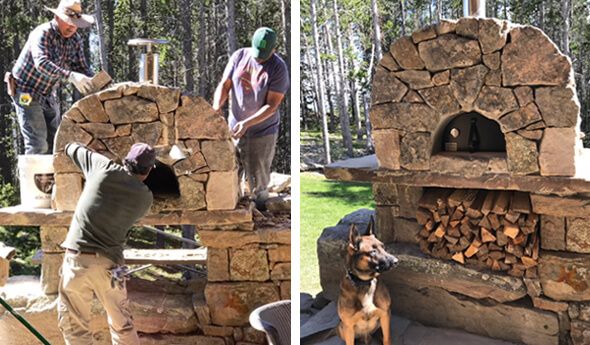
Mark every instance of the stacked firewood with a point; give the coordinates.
(493, 228)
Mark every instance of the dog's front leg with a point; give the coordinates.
(348, 333)
(385, 319)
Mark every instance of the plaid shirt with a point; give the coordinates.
(46, 59)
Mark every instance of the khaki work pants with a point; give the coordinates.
(255, 157)
(82, 277)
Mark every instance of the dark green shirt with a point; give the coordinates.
(112, 201)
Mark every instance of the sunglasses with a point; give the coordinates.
(72, 13)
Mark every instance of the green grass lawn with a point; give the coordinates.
(323, 204)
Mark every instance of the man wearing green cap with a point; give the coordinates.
(258, 80)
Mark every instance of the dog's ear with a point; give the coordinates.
(369, 231)
(354, 238)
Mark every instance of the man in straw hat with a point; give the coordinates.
(258, 80)
(114, 198)
(53, 53)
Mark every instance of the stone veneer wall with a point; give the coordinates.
(114, 119)
(508, 73)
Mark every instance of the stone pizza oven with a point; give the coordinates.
(247, 259)
(196, 167)
(482, 183)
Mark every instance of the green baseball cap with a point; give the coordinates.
(263, 43)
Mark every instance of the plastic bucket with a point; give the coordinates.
(36, 180)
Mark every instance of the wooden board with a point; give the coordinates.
(166, 256)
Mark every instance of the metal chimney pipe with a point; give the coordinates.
(474, 8)
(148, 63)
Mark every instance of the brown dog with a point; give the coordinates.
(364, 302)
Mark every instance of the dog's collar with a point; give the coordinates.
(356, 281)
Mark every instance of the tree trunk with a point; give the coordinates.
(403, 14)
(231, 27)
(130, 49)
(331, 82)
(376, 29)
(357, 113)
(187, 44)
(111, 26)
(341, 87)
(101, 40)
(541, 16)
(367, 105)
(202, 53)
(565, 42)
(321, 108)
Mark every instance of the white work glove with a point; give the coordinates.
(81, 82)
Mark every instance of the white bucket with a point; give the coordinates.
(36, 180)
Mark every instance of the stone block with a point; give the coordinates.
(285, 290)
(162, 312)
(533, 286)
(402, 116)
(281, 271)
(119, 146)
(520, 118)
(405, 230)
(389, 63)
(63, 164)
(468, 27)
(423, 34)
(446, 26)
(158, 339)
(385, 194)
(187, 166)
(217, 264)
(384, 216)
(201, 309)
(492, 61)
(415, 79)
(52, 237)
(580, 332)
(441, 99)
(449, 51)
(252, 335)
(131, 109)
(220, 155)
(92, 109)
(391, 90)
(466, 84)
(217, 331)
(232, 303)
(408, 197)
(75, 115)
(442, 78)
(279, 204)
(405, 53)
(222, 190)
(99, 130)
(578, 235)
(148, 133)
(564, 206)
(547, 304)
(494, 78)
(192, 193)
(123, 130)
(196, 119)
(249, 264)
(166, 98)
(69, 132)
(111, 93)
(492, 34)
(415, 151)
(493, 102)
(521, 154)
(412, 97)
(532, 59)
(230, 239)
(510, 322)
(558, 105)
(564, 276)
(524, 95)
(68, 188)
(50, 267)
(474, 165)
(535, 135)
(387, 148)
(552, 232)
(280, 254)
(557, 152)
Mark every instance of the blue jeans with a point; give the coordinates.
(38, 124)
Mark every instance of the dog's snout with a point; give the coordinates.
(386, 263)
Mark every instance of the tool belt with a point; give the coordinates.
(10, 84)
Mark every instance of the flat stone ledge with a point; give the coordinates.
(365, 169)
(19, 215)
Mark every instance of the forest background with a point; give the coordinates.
(202, 34)
(343, 40)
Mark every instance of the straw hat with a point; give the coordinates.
(70, 11)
